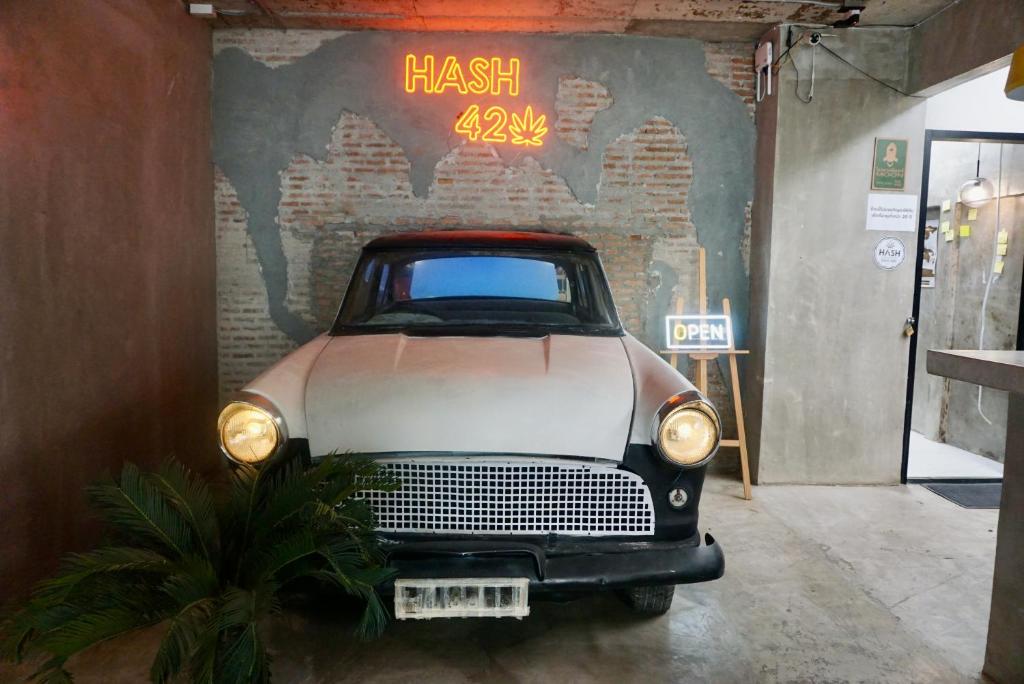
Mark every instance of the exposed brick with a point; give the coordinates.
(273, 48)
(732, 65)
(577, 103)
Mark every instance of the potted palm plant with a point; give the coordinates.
(209, 564)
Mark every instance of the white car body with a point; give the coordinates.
(556, 395)
(526, 429)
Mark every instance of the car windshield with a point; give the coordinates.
(492, 291)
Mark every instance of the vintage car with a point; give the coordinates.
(540, 448)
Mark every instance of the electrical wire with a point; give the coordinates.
(796, 85)
(850, 64)
(778, 60)
(778, 63)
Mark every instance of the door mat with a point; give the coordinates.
(969, 494)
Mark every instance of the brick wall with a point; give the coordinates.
(273, 48)
(732, 65)
(576, 104)
(360, 188)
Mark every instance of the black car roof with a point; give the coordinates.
(508, 239)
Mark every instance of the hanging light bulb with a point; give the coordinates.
(977, 190)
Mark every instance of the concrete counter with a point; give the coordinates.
(1004, 370)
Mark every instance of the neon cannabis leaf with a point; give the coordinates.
(529, 130)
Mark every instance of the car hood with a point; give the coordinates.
(560, 395)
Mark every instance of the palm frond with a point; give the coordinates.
(195, 578)
(265, 563)
(244, 660)
(239, 606)
(212, 564)
(374, 617)
(189, 629)
(342, 477)
(136, 509)
(83, 629)
(78, 567)
(192, 499)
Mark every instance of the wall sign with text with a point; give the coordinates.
(480, 79)
(891, 211)
(890, 253)
(889, 169)
(698, 333)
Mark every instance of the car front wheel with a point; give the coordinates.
(649, 600)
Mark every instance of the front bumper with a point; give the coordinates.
(561, 567)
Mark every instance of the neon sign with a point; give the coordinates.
(709, 331)
(432, 75)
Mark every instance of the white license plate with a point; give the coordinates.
(423, 599)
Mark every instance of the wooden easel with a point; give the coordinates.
(701, 379)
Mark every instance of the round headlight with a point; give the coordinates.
(248, 433)
(688, 434)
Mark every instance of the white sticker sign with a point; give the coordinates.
(889, 253)
(892, 212)
(710, 331)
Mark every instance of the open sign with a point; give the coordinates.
(710, 331)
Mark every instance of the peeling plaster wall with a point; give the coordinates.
(319, 149)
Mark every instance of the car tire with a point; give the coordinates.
(649, 600)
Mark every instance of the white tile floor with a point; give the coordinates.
(936, 460)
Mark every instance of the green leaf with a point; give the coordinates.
(138, 510)
(191, 632)
(245, 660)
(192, 499)
(87, 628)
(240, 607)
(194, 579)
(295, 546)
(78, 567)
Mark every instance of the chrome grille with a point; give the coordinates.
(479, 495)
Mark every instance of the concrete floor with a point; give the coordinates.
(823, 584)
(937, 460)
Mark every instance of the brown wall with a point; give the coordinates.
(107, 318)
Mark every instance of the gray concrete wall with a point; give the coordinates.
(967, 39)
(107, 320)
(835, 358)
(946, 410)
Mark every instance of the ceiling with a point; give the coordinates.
(719, 20)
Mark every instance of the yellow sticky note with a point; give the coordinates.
(965, 230)
(949, 236)
(944, 226)
(1001, 250)
(946, 205)
(1003, 237)
(972, 214)
(999, 266)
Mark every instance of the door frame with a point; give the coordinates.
(930, 136)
